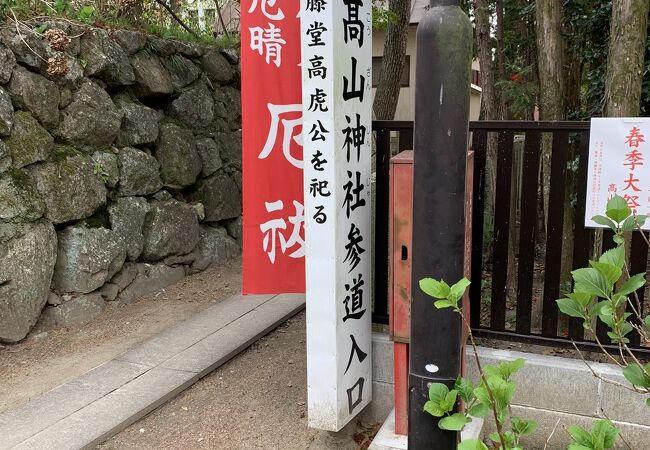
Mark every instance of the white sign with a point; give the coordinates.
(618, 148)
(336, 39)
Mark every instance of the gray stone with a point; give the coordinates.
(65, 97)
(170, 228)
(66, 399)
(68, 186)
(230, 148)
(139, 124)
(29, 50)
(152, 79)
(105, 58)
(6, 113)
(131, 41)
(127, 216)
(5, 157)
(176, 151)
(76, 312)
(228, 106)
(107, 165)
(139, 173)
(182, 71)
(26, 265)
(220, 196)
(19, 200)
(53, 299)
(231, 55)
(7, 63)
(215, 247)
(217, 67)
(234, 227)
(209, 353)
(87, 258)
(190, 49)
(200, 210)
(176, 339)
(29, 142)
(176, 260)
(125, 276)
(36, 94)
(91, 119)
(162, 47)
(209, 154)
(194, 108)
(162, 195)
(151, 278)
(109, 291)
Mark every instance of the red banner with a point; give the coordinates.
(274, 252)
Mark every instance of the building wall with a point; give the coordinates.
(406, 103)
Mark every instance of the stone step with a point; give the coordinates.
(95, 406)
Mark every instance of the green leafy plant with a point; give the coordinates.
(602, 436)
(493, 393)
(607, 292)
(86, 14)
(99, 171)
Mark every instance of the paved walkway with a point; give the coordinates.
(89, 409)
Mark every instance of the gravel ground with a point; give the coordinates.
(48, 358)
(255, 401)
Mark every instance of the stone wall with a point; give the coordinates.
(120, 168)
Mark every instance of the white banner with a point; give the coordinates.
(336, 39)
(617, 151)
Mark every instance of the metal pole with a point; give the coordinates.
(442, 93)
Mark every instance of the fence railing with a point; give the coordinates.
(521, 258)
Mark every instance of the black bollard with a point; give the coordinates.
(442, 93)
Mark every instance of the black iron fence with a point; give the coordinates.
(521, 254)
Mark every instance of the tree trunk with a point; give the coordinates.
(627, 39)
(550, 58)
(625, 63)
(490, 105)
(392, 64)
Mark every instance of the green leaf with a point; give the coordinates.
(438, 392)
(579, 447)
(442, 304)
(465, 389)
(614, 256)
(605, 221)
(603, 434)
(472, 444)
(634, 374)
(609, 271)
(479, 410)
(579, 435)
(505, 369)
(455, 422)
(450, 400)
(617, 209)
(433, 408)
(647, 401)
(458, 289)
(434, 288)
(590, 281)
(571, 307)
(523, 427)
(632, 284)
(482, 395)
(581, 297)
